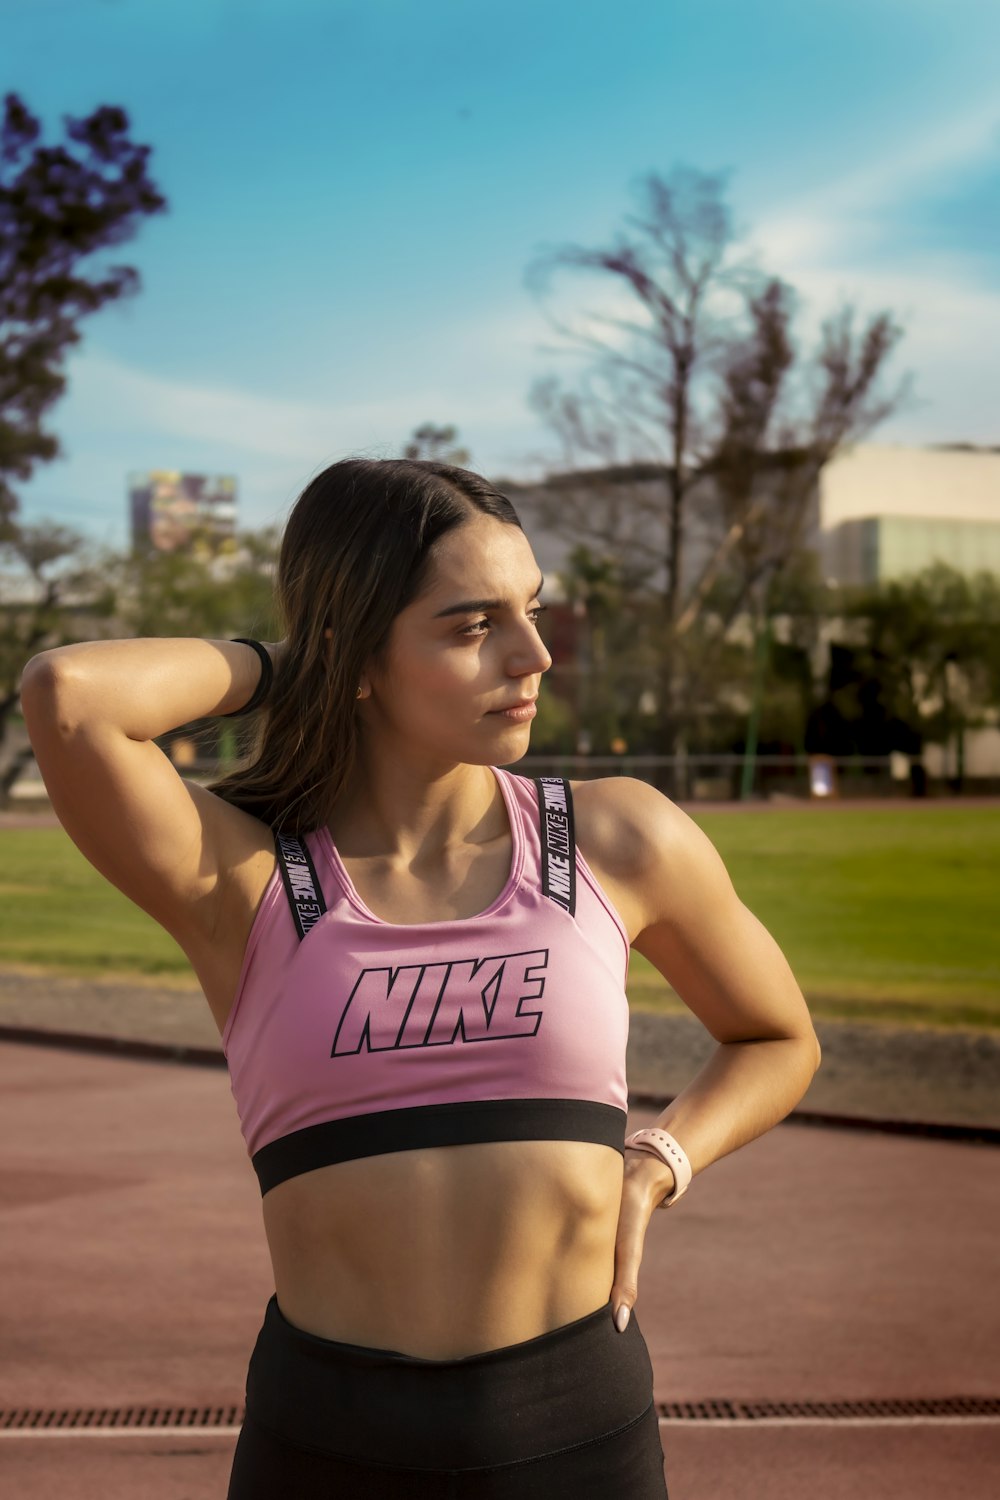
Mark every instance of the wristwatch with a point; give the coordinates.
(657, 1142)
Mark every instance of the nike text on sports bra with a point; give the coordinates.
(350, 1036)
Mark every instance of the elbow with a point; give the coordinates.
(40, 673)
(33, 668)
(45, 702)
(810, 1049)
(36, 682)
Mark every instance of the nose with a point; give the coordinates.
(532, 657)
(536, 654)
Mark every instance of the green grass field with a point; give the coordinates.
(884, 914)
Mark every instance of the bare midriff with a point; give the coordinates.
(449, 1251)
(437, 1252)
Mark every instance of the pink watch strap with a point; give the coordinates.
(657, 1142)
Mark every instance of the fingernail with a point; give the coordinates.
(621, 1318)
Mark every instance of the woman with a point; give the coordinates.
(417, 964)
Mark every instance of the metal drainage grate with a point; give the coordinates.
(188, 1417)
(192, 1418)
(829, 1411)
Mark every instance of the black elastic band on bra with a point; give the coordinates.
(466, 1122)
(305, 894)
(555, 804)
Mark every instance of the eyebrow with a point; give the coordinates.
(469, 606)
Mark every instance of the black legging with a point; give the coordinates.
(565, 1416)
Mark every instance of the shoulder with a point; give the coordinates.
(611, 811)
(689, 922)
(633, 820)
(647, 845)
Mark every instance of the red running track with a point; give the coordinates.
(813, 1265)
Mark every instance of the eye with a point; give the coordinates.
(473, 630)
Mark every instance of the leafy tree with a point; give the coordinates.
(59, 205)
(181, 593)
(437, 443)
(921, 662)
(592, 588)
(53, 590)
(57, 587)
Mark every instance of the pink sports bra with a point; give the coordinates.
(350, 1036)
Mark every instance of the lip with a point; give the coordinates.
(521, 711)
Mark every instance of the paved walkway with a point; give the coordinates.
(874, 1071)
(814, 1265)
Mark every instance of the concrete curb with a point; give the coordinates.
(893, 1077)
(114, 1046)
(192, 1056)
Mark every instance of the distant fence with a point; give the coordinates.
(723, 777)
(686, 778)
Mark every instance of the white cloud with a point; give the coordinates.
(822, 244)
(476, 371)
(846, 216)
(111, 399)
(104, 389)
(118, 417)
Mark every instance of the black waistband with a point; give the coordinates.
(571, 1385)
(466, 1123)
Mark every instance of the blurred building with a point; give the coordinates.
(175, 512)
(885, 512)
(876, 512)
(620, 512)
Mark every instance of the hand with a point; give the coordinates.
(646, 1183)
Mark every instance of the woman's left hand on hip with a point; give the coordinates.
(647, 1181)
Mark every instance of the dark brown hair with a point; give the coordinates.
(355, 552)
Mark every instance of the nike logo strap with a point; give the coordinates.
(555, 803)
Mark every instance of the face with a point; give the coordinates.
(449, 669)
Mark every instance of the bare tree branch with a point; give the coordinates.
(710, 397)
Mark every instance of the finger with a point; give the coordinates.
(633, 1220)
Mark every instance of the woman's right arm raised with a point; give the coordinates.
(93, 711)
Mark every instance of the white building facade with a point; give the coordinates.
(885, 512)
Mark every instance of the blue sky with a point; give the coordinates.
(356, 190)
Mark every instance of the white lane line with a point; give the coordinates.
(905, 1421)
(117, 1432)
